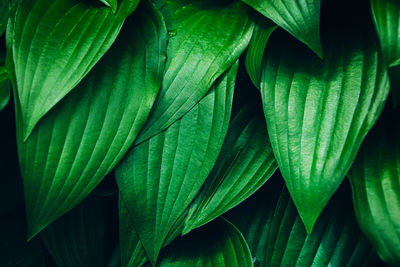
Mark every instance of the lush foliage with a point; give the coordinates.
(200, 133)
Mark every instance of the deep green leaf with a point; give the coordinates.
(318, 112)
(79, 141)
(111, 3)
(206, 39)
(77, 238)
(375, 181)
(263, 29)
(387, 20)
(276, 236)
(4, 88)
(218, 244)
(132, 251)
(159, 178)
(245, 163)
(301, 18)
(55, 43)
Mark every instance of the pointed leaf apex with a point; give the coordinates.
(111, 4)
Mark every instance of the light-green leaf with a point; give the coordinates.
(79, 141)
(301, 18)
(263, 28)
(207, 37)
(276, 236)
(218, 244)
(160, 177)
(77, 238)
(111, 4)
(245, 163)
(387, 21)
(55, 43)
(4, 88)
(375, 181)
(318, 112)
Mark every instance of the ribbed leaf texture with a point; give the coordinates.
(79, 141)
(77, 238)
(206, 38)
(318, 112)
(263, 28)
(301, 18)
(54, 44)
(111, 3)
(387, 20)
(276, 236)
(245, 163)
(375, 181)
(4, 88)
(218, 244)
(159, 178)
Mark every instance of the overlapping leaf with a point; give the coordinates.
(276, 236)
(245, 163)
(77, 238)
(159, 178)
(263, 29)
(111, 3)
(218, 244)
(301, 18)
(79, 141)
(207, 37)
(318, 112)
(4, 88)
(375, 182)
(54, 44)
(387, 20)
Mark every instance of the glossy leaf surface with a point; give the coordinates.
(245, 163)
(375, 182)
(55, 43)
(276, 236)
(318, 112)
(4, 88)
(206, 38)
(301, 18)
(76, 144)
(77, 238)
(111, 3)
(159, 178)
(387, 20)
(219, 244)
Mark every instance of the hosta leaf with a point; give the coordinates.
(318, 112)
(245, 163)
(387, 20)
(77, 238)
(301, 18)
(206, 39)
(276, 236)
(111, 3)
(132, 251)
(263, 29)
(79, 141)
(375, 182)
(218, 244)
(4, 88)
(54, 44)
(160, 177)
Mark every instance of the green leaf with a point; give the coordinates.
(263, 29)
(301, 18)
(111, 3)
(245, 163)
(159, 178)
(206, 38)
(77, 238)
(375, 183)
(218, 244)
(276, 236)
(81, 140)
(318, 112)
(387, 21)
(132, 251)
(4, 88)
(55, 43)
